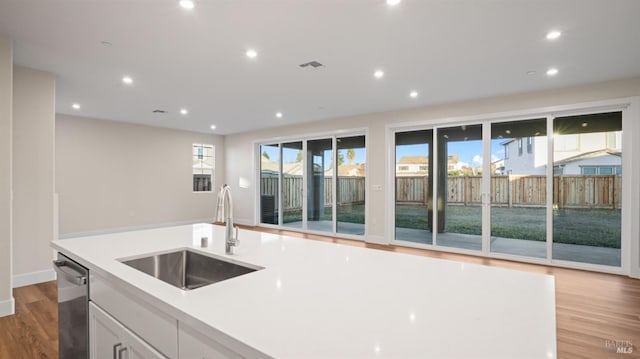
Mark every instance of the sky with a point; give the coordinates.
(469, 152)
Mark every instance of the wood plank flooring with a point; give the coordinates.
(33, 331)
(594, 311)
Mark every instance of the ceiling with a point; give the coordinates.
(447, 50)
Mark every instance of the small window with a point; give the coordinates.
(506, 151)
(423, 168)
(618, 170)
(519, 146)
(529, 144)
(403, 168)
(589, 171)
(203, 167)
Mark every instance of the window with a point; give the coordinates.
(506, 151)
(529, 145)
(203, 166)
(403, 168)
(519, 146)
(423, 168)
(601, 170)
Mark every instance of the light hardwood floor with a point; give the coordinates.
(33, 331)
(593, 310)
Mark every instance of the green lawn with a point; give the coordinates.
(593, 227)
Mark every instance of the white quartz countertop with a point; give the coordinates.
(321, 300)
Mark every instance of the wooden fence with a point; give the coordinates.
(351, 190)
(512, 191)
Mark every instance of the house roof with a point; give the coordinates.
(413, 160)
(587, 155)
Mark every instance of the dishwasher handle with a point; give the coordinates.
(68, 273)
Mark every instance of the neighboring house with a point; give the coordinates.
(412, 166)
(528, 155)
(297, 169)
(419, 165)
(497, 167)
(601, 162)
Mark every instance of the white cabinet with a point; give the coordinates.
(111, 340)
(194, 345)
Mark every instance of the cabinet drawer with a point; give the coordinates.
(154, 326)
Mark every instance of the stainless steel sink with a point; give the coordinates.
(188, 270)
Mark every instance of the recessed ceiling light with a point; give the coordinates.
(105, 43)
(552, 71)
(279, 114)
(213, 127)
(378, 74)
(393, 2)
(127, 80)
(531, 72)
(553, 34)
(413, 94)
(76, 106)
(184, 111)
(584, 124)
(187, 4)
(508, 132)
(252, 54)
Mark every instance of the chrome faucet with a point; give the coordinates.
(224, 213)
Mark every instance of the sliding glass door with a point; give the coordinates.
(518, 187)
(319, 185)
(413, 191)
(350, 185)
(459, 187)
(292, 170)
(587, 188)
(269, 183)
(315, 185)
(509, 189)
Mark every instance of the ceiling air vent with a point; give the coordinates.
(160, 111)
(312, 64)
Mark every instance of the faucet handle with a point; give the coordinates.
(235, 237)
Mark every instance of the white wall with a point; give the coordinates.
(6, 89)
(112, 175)
(240, 147)
(33, 175)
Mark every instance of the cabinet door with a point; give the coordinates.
(136, 348)
(194, 345)
(104, 334)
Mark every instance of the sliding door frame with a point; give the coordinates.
(334, 135)
(629, 247)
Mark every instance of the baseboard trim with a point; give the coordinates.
(376, 239)
(7, 307)
(131, 228)
(25, 279)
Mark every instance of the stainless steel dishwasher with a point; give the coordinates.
(73, 308)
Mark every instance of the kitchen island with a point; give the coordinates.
(316, 300)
